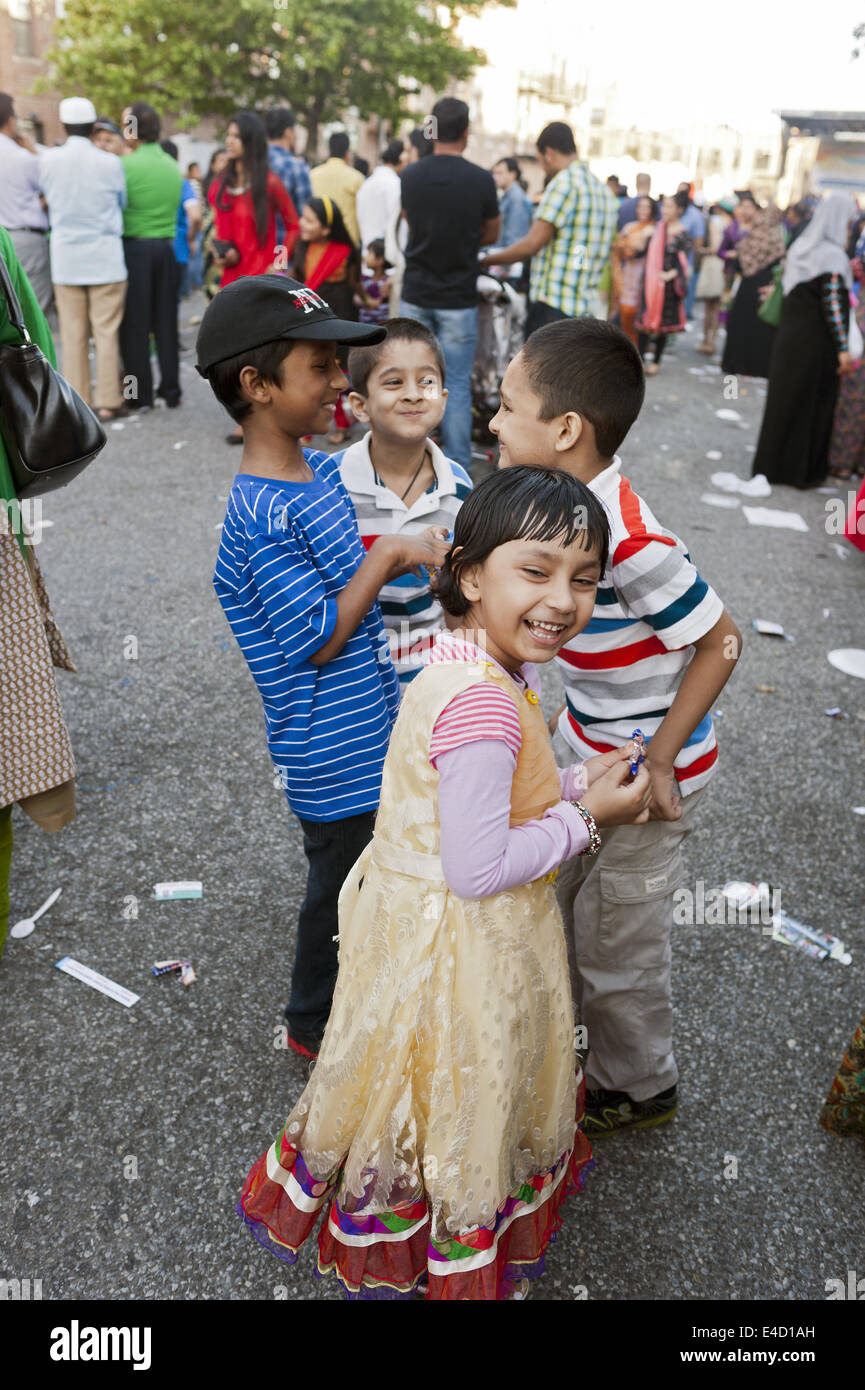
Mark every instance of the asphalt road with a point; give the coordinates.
(128, 1131)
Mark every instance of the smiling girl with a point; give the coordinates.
(439, 1128)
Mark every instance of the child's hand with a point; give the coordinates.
(617, 798)
(593, 768)
(665, 800)
(404, 554)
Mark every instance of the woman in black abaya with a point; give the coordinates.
(811, 351)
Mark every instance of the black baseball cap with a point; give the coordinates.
(259, 309)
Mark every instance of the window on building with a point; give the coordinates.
(22, 29)
(594, 147)
(761, 159)
(597, 116)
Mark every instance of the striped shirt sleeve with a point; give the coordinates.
(658, 583)
(301, 615)
(483, 711)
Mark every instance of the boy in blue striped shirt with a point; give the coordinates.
(299, 593)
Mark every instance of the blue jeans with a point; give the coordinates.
(692, 289)
(457, 331)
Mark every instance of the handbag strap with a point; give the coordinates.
(13, 308)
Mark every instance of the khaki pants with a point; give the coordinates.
(92, 309)
(618, 911)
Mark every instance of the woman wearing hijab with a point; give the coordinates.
(665, 282)
(758, 249)
(811, 351)
(847, 449)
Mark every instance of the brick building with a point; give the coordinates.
(26, 33)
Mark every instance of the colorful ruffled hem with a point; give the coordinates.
(390, 1255)
(844, 1110)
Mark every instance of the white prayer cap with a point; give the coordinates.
(77, 111)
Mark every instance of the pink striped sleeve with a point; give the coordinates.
(482, 711)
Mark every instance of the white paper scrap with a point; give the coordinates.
(748, 487)
(97, 981)
(180, 888)
(850, 660)
(727, 415)
(714, 454)
(765, 516)
(718, 499)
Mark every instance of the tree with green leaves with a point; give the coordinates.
(318, 56)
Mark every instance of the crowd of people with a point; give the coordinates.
(445, 1120)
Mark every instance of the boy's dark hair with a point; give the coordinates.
(451, 117)
(538, 504)
(557, 136)
(278, 121)
(588, 366)
(147, 123)
(169, 147)
(7, 108)
(338, 144)
(362, 360)
(392, 152)
(224, 377)
(682, 201)
(421, 141)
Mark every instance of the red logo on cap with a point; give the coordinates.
(308, 300)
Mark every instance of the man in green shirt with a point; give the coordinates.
(153, 184)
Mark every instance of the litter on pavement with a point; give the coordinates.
(766, 516)
(767, 629)
(816, 944)
(850, 660)
(27, 924)
(718, 499)
(183, 968)
(180, 888)
(97, 981)
(748, 487)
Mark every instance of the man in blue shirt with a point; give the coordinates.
(189, 220)
(294, 172)
(85, 189)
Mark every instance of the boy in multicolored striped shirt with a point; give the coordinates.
(299, 593)
(400, 481)
(657, 653)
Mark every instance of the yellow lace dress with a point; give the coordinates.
(439, 1124)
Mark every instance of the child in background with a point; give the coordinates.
(439, 1127)
(327, 260)
(299, 593)
(400, 481)
(657, 653)
(375, 285)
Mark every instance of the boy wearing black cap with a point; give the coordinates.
(299, 593)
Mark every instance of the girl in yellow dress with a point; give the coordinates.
(439, 1128)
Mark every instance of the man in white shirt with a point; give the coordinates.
(85, 189)
(378, 198)
(21, 211)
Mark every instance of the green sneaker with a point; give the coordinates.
(608, 1112)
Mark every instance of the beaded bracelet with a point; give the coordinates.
(594, 837)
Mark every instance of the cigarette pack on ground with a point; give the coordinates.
(181, 888)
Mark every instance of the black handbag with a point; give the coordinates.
(50, 433)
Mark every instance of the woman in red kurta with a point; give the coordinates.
(246, 200)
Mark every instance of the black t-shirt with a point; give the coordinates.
(445, 200)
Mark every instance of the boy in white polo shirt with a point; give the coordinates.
(399, 480)
(656, 654)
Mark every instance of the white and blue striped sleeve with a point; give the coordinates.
(301, 614)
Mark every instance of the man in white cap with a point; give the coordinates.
(21, 210)
(85, 189)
